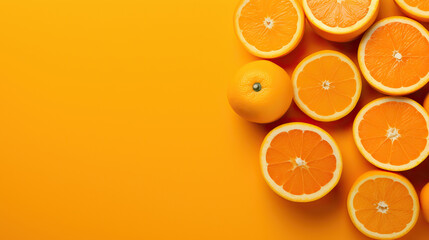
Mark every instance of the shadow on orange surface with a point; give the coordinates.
(330, 202)
(418, 176)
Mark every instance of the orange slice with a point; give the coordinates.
(383, 205)
(269, 28)
(340, 20)
(392, 133)
(326, 85)
(394, 56)
(417, 9)
(300, 162)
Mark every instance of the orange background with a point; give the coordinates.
(114, 124)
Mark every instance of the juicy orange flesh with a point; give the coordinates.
(342, 85)
(392, 193)
(410, 125)
(421, 4)
(253, 23)
(405, 40)
(283, 166)
(334, 13)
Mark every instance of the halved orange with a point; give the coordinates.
(340, 20)
(383, 205)
(417, 9)
(300, 162)
(392, 133)
(269, 28)
(326, 85)
(394, 56)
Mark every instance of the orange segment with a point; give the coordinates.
(383, 205)
(269, 28)
(417, 9)
(326, 85)
(420, 4)
(340, 20)
(300, 162)
(394, 56)
(392, 133)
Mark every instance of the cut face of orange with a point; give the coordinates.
(392, 133)
(340, 20)
(417, 9)
(394, 56)
(300, 162)
(383, 205)
(326, 85)
(269, 28)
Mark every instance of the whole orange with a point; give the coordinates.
(260, 92)
(424, 201)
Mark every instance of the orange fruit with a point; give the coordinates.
(300, 162)
(260, 92)
(340, 20)
(269, 28)
(424, 201)
(383, 205)
(326, 85)
(392, 133)
(394, 56)
(426, 103)
(417, 9)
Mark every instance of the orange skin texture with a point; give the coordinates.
(424, 202)
(266, 105)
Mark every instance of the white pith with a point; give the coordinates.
(392, 134)
(382, 207)
(268, 22)
(326, 84)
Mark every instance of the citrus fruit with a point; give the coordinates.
(383, 205)
(326, 85)
(269, 28)
(340, 20)
(392, 133)
(300, 162)
(424, 201)
(426, 103)
(394, 56)
(417, 9)
(260, 92)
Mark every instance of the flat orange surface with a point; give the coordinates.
(114, 124)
